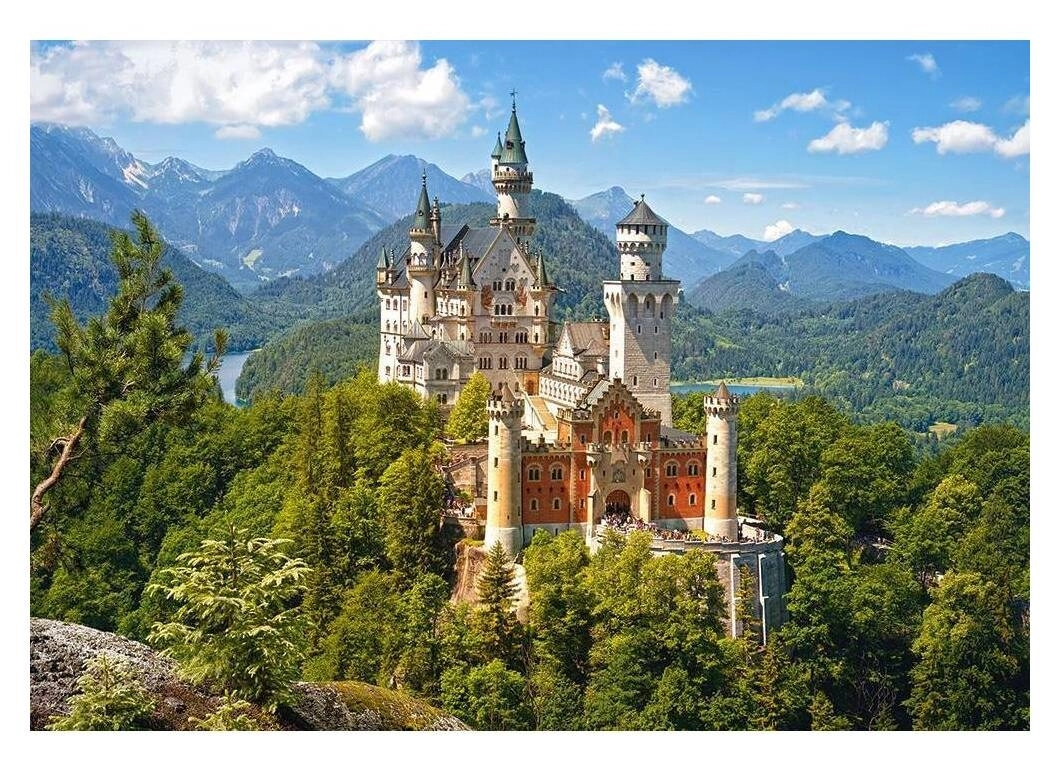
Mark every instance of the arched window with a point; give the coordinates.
(635, 381)
(556, 503)
(556, 473)
(534, 473)
(670, 500)
(533, 505)
(625, 436)
(691, 500)
(671, 469)
(693, 468)
(607, 436)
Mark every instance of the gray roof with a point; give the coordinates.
(673, 434)
(422, 217)
(592, 398)
(589, 337)
(641, 215)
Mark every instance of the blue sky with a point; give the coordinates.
(921, 142)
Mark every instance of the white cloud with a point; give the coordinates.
(947, 208)
(966, 104)
(661, 84)
(713, 199)
(776, 230)
(1018, 145)
(1018, 105)
(477, 131)
(396, 97)
(962, 137)
(845, 139)
(614, 72)
(802, 102)
(753, 184)
(605, 125)
(237, 85)
(237, 132)
(790, 206)
(220, 83)
(927, 63)
(752, 199)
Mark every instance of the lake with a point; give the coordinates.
(739, 390)
(231, 366)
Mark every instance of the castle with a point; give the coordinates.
(580, 429)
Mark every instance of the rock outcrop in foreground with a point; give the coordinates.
(58, 652)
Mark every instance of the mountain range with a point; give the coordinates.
(1008, 256)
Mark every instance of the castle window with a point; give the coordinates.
(581, 439)
(635, 381)
(691, 500)
(443, 398)
(607, 436)
(638, 329)
(533, 505)
(581, 475)
(625, 436)
(671, 469)
(557, 473)
(647, 472)
(713, 471)
(520, 362)
(556, 504)
(496, 460)
(670, 500)
(388, 371)
(712, 503)
(715, 438)
(503, 337)
(534, 473)
(502, 362)
(494, 496)
(655, 381)
(496, 429)
(693, 468)
(520, 337)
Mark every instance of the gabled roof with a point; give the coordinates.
(588, 337)
(417, 332)
(641, 215)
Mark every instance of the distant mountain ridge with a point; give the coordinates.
(840, 266)
(685, 258)
(1008, 256)
(391, 186)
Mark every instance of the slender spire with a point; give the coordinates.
(498, 148)
(384, 262)
(464, 280)
(423, 209)
(722, 393)
(514, 146)
(542, 277)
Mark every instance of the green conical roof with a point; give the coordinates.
(514, 146)
(383, 263)
(542, 277)
(497, 148)
(464, 282)
(423, 209)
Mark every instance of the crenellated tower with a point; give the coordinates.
(504, 520)
(513, 181)
(422, 264)
(641, 305)
(719, 515)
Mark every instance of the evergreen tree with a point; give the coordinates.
(112, 698)
(469, 419)
(410, 497)
(127, 367)
(495, 617)
(236, 624)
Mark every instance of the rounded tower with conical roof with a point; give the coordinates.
(513, 181)
(641, 305)
(719, 515)
(422, 266)
(504, 517)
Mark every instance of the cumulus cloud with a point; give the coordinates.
(947, 208)
(237, 132)
(815, 100)
(396, 97)
(239, 85)
(776, 230)
(790, 206)
(927, 63)
(846, 139)
(605, 124)
(966, 104)
(713, 199)
(1018, 145)
(1018, 105)
(750, 198)
(662, 84)
(962, 137)
(615, 72)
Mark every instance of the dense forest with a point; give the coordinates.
(909, 601)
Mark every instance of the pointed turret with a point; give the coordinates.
(497, 149)
(722, 393)
(422, 217)
(542, 277)
(463, 281)
(513, 181)
(384, 262)
(514, 146)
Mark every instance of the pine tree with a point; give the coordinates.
(127, 367)
(495, 618)
(235, 625)
(469, 420)
(111, 698)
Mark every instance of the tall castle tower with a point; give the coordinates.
(641, 305)
(719, 516)
(422, 261)
(504, 520)
(513, 181)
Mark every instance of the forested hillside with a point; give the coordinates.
(69, 257)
